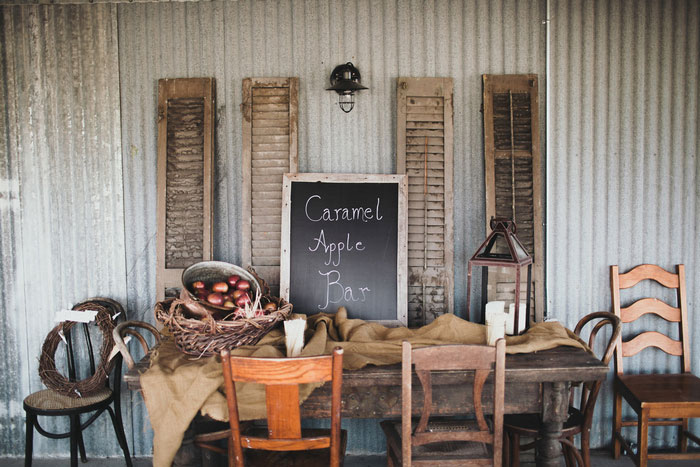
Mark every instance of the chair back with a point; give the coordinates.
(116, 311)
(480, 358)
(589, 391)
(674, 314)
(131, 328)
(281, 378)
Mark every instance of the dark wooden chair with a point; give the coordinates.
(581, 417)
(432, 441)
(666, 399)
(125, 329)
(283, 442)
(50, 403)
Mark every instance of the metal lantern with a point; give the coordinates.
(502, 249)
(345, 80)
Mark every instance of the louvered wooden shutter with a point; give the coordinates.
(185, 147)
(513, 175)
(270, 118)
(424, 152)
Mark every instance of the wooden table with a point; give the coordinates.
(535, 383)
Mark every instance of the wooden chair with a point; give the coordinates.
(283, 441)
(130, 328)
(581, 418)
(440, 442)
(50, 403)
(666, 399)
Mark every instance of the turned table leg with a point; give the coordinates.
(555, 410)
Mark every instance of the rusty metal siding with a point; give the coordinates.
(62, 199)
(623, 170)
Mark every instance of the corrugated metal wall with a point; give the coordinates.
(623, 143)
(234, 40)
(623, 169)
(61, 193)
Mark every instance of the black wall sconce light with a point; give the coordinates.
(345, 80)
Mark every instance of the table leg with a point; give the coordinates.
(555, 410)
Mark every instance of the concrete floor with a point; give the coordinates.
(599, 459)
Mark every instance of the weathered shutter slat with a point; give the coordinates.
(424, 154)
(270, 117)
(185, 148)
(513, 175)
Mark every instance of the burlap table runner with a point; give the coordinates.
(177, 386)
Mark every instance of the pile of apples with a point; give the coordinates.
(232, 294)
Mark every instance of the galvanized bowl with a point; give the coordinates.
(210, 272)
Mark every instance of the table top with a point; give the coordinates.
(561, 364)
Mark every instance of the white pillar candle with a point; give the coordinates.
(493, 307)
(495, 326)
(510, 321)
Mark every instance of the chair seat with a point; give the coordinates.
(529, 424)
(447, 450)
(661, 393)
(308, 458)
(49, 400)
(261, 458)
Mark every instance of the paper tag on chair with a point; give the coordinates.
(84, 316)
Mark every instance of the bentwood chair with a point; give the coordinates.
(665, 399)
(127, 329)
(51, 403)
(581, 417)
(283, 442)
(432, 441)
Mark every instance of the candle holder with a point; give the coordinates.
(502, 249)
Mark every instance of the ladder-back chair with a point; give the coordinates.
(666, 399)
(432, 441)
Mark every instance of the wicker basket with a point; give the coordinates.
(207, 337)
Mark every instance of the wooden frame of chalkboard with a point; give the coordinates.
(344, 243)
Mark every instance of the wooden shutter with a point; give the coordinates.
(513, 175)
(424, 152)
(270, 115)
(185, 147)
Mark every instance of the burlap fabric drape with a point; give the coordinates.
(177, 386)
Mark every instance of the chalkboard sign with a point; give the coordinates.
(344, 244)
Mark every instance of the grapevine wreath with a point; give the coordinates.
(47, 363)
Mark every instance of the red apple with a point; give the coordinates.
(201, 294)
(237, 293)
(243, 284)
(199, 285)
(220, 287)
(232, 280)
(242, 300)
(215, 298)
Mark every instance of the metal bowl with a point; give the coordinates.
(215, 271)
